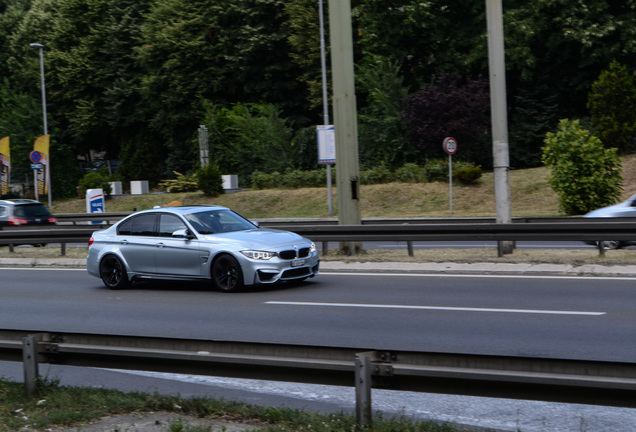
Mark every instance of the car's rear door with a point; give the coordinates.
(137, 242)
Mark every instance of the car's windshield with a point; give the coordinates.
(218, 221)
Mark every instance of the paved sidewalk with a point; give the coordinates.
(401, 267)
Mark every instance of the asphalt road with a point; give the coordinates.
(540, 316)
(573, 317)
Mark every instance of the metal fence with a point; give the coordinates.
(376, 230)
(557, 380)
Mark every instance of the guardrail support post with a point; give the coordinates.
(409, 246)
(601, 248)
(363, 389)
(30, 361)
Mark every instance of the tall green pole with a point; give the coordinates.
(345, 118)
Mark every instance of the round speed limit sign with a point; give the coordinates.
(450, 145)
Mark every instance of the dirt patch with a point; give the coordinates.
(153, 422)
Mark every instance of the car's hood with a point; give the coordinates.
(623, 209)
(259, 239)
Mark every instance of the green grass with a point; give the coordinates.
(530, 197)
(530, 192)
(56, 405)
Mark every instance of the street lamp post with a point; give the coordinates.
(46, 130)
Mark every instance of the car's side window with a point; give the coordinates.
(3, 211)
(169, 224)
(125, 228)
(144, 225)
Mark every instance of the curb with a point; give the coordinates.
(480, 268)
(399, 267)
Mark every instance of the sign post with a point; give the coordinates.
(450, 147)
(327, 156)
(37, 165)
(95, 202)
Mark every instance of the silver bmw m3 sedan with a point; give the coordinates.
(198, 242)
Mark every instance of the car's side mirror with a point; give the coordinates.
(183, 233)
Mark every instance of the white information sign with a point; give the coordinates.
(326, 144)
(95, 202)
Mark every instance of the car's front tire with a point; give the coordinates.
(113, 273)
(612, 244)
(227, 274)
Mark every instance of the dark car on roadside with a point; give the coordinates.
(19, 212)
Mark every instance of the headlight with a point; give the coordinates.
(258, 255)
(312, 247)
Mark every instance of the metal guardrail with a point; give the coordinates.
(558, 229)
(87, 218)
(555, 380)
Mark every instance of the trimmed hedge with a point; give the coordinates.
(435, 170)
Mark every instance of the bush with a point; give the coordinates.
(410, 173)
(210, 181)
(291, 179)
(294, 179)
(261, 180)
(318, 178)
(584, 174)
(378, 175)
(467, 174)
(436, 170)
(181, 183)
(95, 180)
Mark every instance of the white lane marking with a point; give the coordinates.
(42, 269)
(436, 308)
(476, 275)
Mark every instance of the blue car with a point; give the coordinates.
(198, 243)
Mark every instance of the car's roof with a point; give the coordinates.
(19, 201)
(185, 209)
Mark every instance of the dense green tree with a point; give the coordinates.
(23, 61)
(425, 38)
(226, 51)
(584, 174)
(381, 126)
(533, 113)
(143, 158)
(12, 12)
(96, 81)
(249, 137)
(124, 73)
(612, 105)
(453, 107)
(21, 121)
(566, 44)
(304, 41)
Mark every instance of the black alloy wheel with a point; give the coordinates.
(113, 273)
(227, 274)
(612, 244)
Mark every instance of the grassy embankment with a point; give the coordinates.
(531, 197)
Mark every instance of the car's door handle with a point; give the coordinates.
(160, 245)
(124, 242)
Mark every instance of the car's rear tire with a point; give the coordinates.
(113, 273)
(227, 274)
